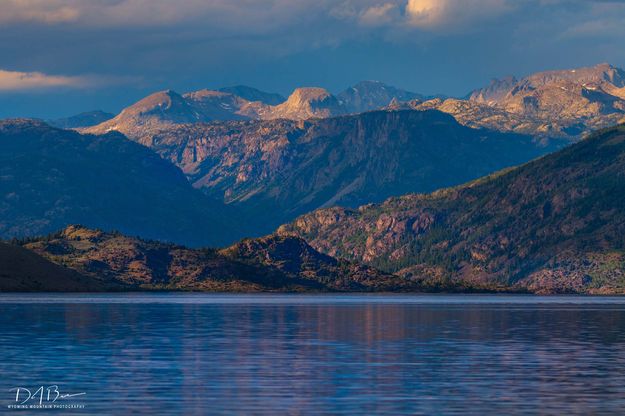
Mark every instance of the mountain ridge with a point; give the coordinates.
(51, 177)
(553, 225)
(250, 104)
(271, 263)
(82, 120)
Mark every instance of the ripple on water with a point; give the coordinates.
(224, 354)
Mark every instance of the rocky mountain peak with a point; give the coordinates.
(598, 74)
(254, 95)
(309, 102)
(308, 95)
(370, 95)
(167, 105)
(566, 103)
(495, 91)
(152, 112)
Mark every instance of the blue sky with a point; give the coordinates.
(60, 57)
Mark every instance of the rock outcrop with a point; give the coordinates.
(306, 103)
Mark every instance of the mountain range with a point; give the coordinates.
(207, 168)
(553, 225)
(164, 108)
(553, 104)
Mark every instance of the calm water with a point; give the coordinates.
(289, 354)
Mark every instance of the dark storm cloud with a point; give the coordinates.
(138, 46)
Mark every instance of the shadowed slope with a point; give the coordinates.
(22, 270)
(50, 178)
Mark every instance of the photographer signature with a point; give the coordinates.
(43, 394)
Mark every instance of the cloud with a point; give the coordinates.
(379, 15)
(603, 19)
(30, 81)
(108, 13)
(246, 14)
(240, 17)
(453, 14)
(426, 12)
(46, 11)
(187, 44)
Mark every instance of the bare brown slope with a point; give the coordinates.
(272, 263)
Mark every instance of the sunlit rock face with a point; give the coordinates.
(307, 103)
(556, 104)
(573, 101)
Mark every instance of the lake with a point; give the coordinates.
(312, 354)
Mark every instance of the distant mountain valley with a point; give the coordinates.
(278, 169)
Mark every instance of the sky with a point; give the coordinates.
(62, 57)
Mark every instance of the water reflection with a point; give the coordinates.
(327, 357)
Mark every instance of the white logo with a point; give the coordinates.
(45, 397)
